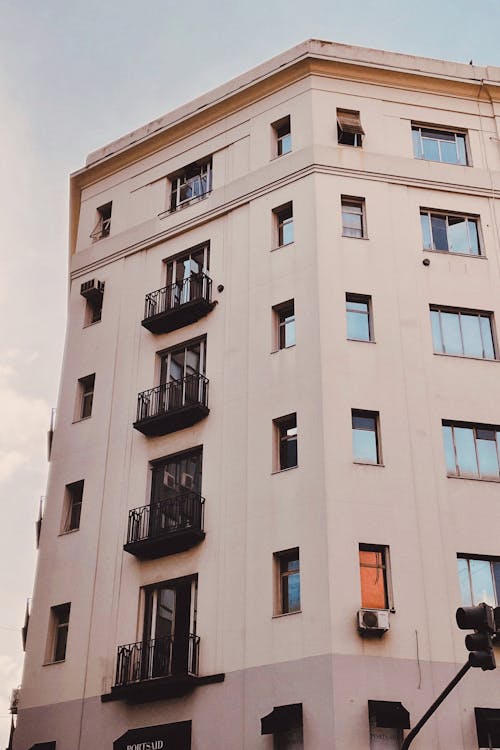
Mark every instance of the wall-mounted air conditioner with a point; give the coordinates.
(373, 622)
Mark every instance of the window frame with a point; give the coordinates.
(201, 170)
(349, 202)
(73, 499)
(365, 414)
(283, 124)
(86, 391)
(460, 312)
(283, 217)
(492, 560)
(283, 316)
(384, 550)
(355, 131)
(58, 629)
(280, 427)
(102, 228)
(419, 127)
(281, 559)
(447, 215)
(352, 298)
(458, 473)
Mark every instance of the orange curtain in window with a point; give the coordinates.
(372, 572)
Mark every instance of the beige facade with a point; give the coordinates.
(357, 209)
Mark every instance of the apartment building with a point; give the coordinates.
(275, 468)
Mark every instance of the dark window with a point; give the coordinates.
(349, 130)
(450, 233)
(288, 568)
(73, 506)
(103, 226)
(191, 183)
(283, 136)
(60, 624)
(358, 313)
(86, 386)
(284, 224)
(463, 333)
(285, 324)
(365, 442)
(439, 145)
(286, 431)
(373, 574)
(471, 450)
(353, 217)
(479, 579)
(176, 474)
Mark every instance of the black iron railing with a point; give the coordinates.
(160, 657)
(166, 517)
(169, 397)
(196, 288)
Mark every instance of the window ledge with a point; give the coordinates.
(81, 419)
(280, 156)
(89, 325)
(51, 663)
(474, 479)
(283, 349)
(282, 471)
(350, 237)
(466, 356)
(363, 341)
(367, 463)
(450, 252)
(278, 247)
(287, 614)
(70, 531)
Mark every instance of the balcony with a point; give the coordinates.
(157, 669)
(166, 527)
(172, 406)
(178, 304)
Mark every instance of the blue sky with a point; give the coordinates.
(76, 76)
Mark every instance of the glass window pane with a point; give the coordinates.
(426, 231)
(458, 237)
(287, 232)
(290, 332)
(496, 575)
(482, 582)
(487, 337)
(431, 149)
(358, 306)
(358, 326)
(291, 592)
(364, 445)
(439, 232)
(462, 154)
(285, 144)
(452, 339)
(449, 152)
(372, 574)
(464, 582)
(466, 452)
(417, 146)
(352, 224)
(449, 450)
(471, 335)
(436, 332)
(473, 236)
(488, 458)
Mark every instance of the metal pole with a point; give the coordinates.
(416, 729)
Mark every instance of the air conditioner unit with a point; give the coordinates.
(92, 290)
(187, 481)
(168, 479)
(373, 622)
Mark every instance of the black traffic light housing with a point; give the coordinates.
(483, 620)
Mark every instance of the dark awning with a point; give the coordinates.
(44, 746)
(389, 714)
(282, 718)
(349, 121)
(488, 726)
(175, 736)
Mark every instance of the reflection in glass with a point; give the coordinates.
(358, 319)
(482, 582)
(364, 437)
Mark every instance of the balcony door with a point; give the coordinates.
(185, 279)
(169, 620)
(175, 492)
(179, 369)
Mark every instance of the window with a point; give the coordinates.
(463, 333)
(284, 325)
(284, 224)
(73, 506)
(365, 442)
(387, 721)
(471, 450)
(439, 145)
(450, 233)
(86, 396)
(283, 136)
(103, 226)
(349, 130)
(353, 217)
(479, 579)
(185, 275)
(285, 724)
(286, 435)
(169, 630)
(191, 183)
(290, 739)
(358, 312)
(288, 581)
(373, 574)
(176, 474)
(93, 293)
(58, 636)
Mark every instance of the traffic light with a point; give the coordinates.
(481, 619)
